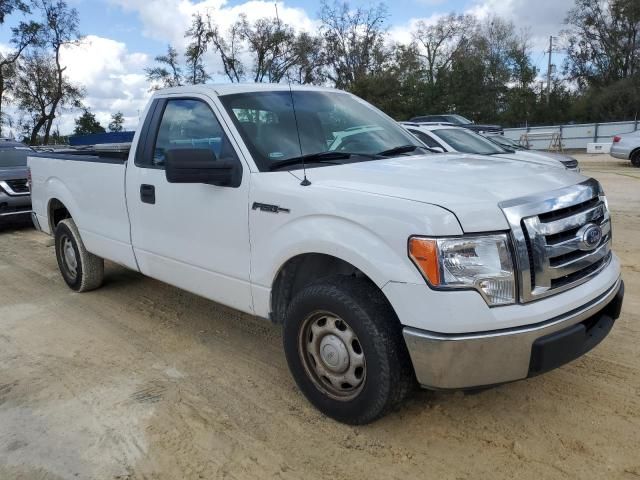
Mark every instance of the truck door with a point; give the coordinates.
(193, 236)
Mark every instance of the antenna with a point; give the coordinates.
(305, 182)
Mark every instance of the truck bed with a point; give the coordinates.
(102, 153)
(91, 185)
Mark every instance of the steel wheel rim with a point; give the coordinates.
(332, 356)
(69, 258)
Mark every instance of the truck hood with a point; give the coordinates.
(533, 157)
(13, 173)
(561, 157)
(470, 186)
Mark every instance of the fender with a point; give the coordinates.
(381, 260)
(57, 190)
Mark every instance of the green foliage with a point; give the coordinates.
(87, 124)
(167, 73)
(117, 122)
(7, 7)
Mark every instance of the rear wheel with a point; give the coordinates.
(345, 350)
(635, 158)
(81, 270)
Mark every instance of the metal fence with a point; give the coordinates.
(575, 136)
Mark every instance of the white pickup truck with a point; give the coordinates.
(387, 265)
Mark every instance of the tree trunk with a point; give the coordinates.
(47, 131)
(36, 130)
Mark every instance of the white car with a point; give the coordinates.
(449, 138)
(627, 147)
(509, 144)
(386, 264)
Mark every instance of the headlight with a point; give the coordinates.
(479, 262)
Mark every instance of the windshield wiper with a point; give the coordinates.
(319, 157)
(398, 150)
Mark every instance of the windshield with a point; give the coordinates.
(458, 119)
(466, 141)
(327, 121)
(14, 156)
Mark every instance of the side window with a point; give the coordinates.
(190, 123)
(424, 138)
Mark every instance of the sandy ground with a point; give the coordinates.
(139, 380)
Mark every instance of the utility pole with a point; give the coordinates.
(549, 69)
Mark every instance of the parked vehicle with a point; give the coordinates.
(15, 200)
(627, 147)
(386, 265)
(446, 138)
(459, 121)
(510, 144)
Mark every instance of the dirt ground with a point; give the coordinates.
(139, 380)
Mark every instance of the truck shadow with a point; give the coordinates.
(8, 226)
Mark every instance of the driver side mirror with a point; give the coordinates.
(198, 165)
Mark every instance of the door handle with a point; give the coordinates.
(148, 194)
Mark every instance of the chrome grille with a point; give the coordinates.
(15, 187)
(547, 231)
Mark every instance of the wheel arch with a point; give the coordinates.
(60, 203)
(304, 269)
(56, 212)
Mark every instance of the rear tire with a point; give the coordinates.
(81, 270)
(345, 350)
(635, 159)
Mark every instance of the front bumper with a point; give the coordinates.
(456, 361)
(14, 206)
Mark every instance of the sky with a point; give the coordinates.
(121, 37)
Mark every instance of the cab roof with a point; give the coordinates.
(221, 89)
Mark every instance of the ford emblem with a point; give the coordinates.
(589, 237)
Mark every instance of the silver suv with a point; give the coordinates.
(15, 197)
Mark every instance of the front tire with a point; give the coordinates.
(345, 350)
(635, 159)
(81, 270)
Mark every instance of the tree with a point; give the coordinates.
(60, 30)
(7, 7)
(398, 89)
(311, 60)
(24, 35)
(87, 124)
(229, 47)
(168, 72)
(603, 41)
(354, 41)
(117, 122)
(38, 93)
(439, 43)
(199, 34)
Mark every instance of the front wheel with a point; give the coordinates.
(635, 159)
(345, 350)
(80, 269)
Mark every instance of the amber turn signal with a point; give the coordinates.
(424, 253)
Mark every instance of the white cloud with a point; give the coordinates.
(112, 77)
(541, 18)
(403, 33)
(167, 20)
